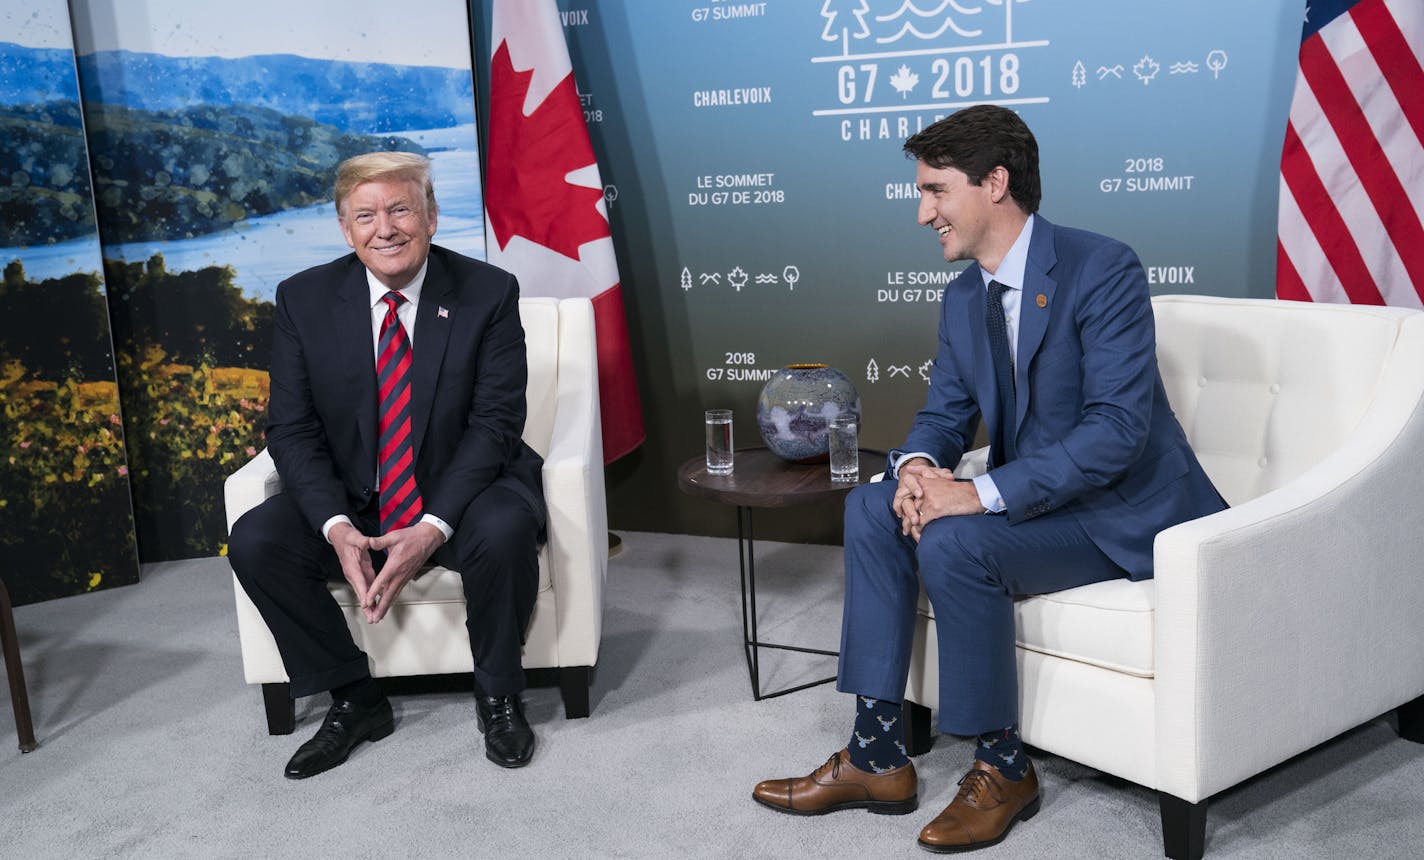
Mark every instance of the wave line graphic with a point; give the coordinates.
(909, 6)
(910, 28)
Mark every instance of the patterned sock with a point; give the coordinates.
(1004, 750)
(877, 743)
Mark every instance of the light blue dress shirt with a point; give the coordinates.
(1011, 275)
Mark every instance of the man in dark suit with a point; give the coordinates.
(1048, 335)
(396, 411)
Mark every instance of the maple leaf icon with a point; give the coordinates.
(904, 80)
(1146, 69)
(526, 188)
(737, 278)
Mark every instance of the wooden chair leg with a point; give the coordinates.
(19, 693)
(915, 720)
(1183, 827)
(574, 683)
(281, 710)
(1411, 720)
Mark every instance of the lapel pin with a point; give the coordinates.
(444, 314)
(1041, 301)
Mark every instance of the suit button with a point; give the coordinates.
(366, 492)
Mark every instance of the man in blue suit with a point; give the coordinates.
(1048, 335)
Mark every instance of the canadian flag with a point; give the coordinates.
(544, 199)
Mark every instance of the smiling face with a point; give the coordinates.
(954, 208)
(387, 223)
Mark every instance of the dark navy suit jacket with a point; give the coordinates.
(1094, 432)
(467, 398)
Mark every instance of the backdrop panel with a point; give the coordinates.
(765, 215)
(66, 522)
(215, 131)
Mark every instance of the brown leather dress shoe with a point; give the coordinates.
(981, 814)
(838, 784)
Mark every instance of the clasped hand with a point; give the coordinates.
(406, 550)
(926, 493)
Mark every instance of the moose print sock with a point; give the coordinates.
(877, 743)
(1003, 749)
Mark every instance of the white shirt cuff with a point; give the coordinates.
(326, 526)
(439, 524)
(989, 494)
(905, 458)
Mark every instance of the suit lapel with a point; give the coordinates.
(351, 315)
(432, 332)
(1033, 313)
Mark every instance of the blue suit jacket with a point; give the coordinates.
(1094, 432)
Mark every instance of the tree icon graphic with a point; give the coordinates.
(1216, 61)
(841, 17)
(686, 280)
(1080, 74)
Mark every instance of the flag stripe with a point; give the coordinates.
(1326, 224)
(1288, 282)
(1357, 212)
(1391, 51)
(1351, 225)
(1365, 155)
(1307, 257)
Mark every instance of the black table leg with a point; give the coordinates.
(19, 694)
(746, 561)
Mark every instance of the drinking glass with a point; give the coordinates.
(719, 441)
(843, 432)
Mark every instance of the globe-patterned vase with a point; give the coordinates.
(795, 405)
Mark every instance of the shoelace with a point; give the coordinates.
(502, 712)
(834, 763)
(329, 735)
(975, 784)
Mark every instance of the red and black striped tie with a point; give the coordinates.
(399, 497)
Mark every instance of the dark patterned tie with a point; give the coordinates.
(1003, 435)
(395, 459)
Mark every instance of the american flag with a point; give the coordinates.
(1352, 169)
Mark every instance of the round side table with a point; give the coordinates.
(763, 480)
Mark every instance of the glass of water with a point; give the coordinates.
(843, 432)
(719, 441)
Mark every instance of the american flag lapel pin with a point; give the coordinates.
(442, 313)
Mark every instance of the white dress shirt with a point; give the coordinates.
(406, 315)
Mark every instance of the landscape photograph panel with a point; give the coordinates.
(214, 131)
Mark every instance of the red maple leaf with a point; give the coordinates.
(529, 156)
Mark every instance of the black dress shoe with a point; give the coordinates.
(509, 742)
(346, 725)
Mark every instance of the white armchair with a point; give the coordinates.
(1271, 626)
(424, 634)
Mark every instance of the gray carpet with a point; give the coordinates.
(152, 746)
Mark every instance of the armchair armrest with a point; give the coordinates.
(1299, 609)
(250, 486)
(574, 491)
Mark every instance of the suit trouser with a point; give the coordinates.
(972, 568)
(284, 566)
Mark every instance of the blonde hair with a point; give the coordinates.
(384, 166)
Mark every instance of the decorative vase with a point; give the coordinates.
(795, 405)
